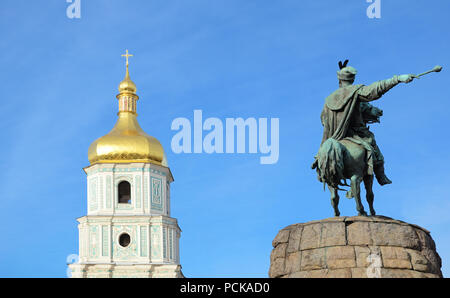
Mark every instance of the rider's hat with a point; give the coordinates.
(346, 73)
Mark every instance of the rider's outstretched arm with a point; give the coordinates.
(376, 90)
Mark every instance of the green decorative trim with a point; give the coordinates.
(170, 243)
(100, 198)
(146, 194)
(153, 219)
(156, 193)
(105, 242)
(123, 170)
(167, 197)
(93, 194)
(93, 241)
(144, 247)
(108, 191)
(164, 242)
(169, 222)
(156, 242)
(137, 189)
(118, 220)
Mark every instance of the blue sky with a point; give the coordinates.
(229, 58)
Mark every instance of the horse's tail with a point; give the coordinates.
(330, 163)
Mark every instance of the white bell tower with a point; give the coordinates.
(128, 230)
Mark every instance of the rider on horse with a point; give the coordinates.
(342, 116)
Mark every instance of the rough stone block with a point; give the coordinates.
(313, 259)
(310, 236)
(340, 257)
(282, 236)
(434, 259)
(361, 254)
(358, 233)
(279, 251)
(425, 240)
(322, 273)
(389, 234)
(333, 234)
(359, 272)
(339, 273)
(418, 261)
(402, 273)
(395, 257)
(277, 268)
(294, 240)
(299, 274)
(293, 262)
(322, 235)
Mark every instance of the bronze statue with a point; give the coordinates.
(348, 149)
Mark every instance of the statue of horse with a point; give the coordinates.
(340, 160)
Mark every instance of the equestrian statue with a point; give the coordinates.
(348, 149)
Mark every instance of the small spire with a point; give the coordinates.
(127, 75)
(127, 85)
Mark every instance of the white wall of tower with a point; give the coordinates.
(150, 189)
(153, 240)
(146, 219)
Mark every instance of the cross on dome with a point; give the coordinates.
(127, 56)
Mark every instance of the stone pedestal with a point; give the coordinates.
(354, 247)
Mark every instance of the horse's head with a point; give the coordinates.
(376, 111)
(370, 113)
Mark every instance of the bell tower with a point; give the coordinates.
(128, 230)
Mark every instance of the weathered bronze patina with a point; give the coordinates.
(348, 149)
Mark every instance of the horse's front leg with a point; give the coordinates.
(368, 183)
(356, 189)
(334, 200)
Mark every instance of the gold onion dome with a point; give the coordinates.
(127, 142)
(127, 85)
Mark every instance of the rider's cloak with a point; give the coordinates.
(337, 115)
(337, 112)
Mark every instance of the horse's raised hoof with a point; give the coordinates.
(364, 213)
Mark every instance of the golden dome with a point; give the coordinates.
(127, 142)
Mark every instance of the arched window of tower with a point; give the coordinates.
(124, 192)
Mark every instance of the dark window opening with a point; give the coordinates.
(124, 192)
(124, 240)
